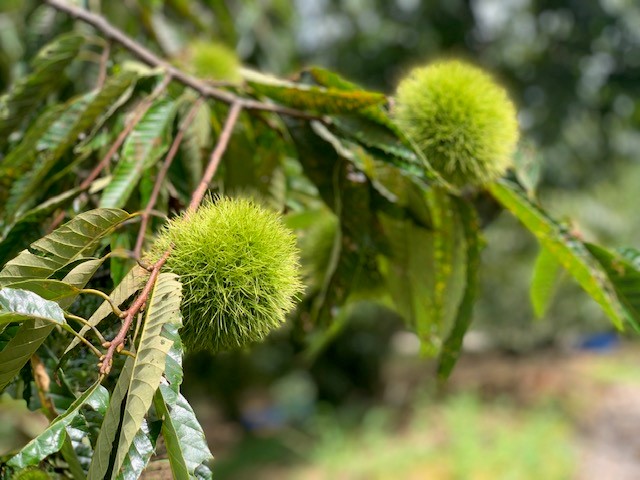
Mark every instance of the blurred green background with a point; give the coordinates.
(365, 406)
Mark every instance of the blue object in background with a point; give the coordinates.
(600, 342)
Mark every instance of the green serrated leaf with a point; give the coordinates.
(425, 269)
(28, 226)
(73, 241)
(70, 243)
(543, 281)
(453, 344)
(144, 146)
(569, 250)
(187, 447)
(47, 288)
(51, 440)
(151, 356)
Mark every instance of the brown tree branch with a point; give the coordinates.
(151, 59)
(163, 173)
(216, 155)
(104, 63)
(115, 345)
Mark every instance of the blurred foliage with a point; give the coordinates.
(381, 240)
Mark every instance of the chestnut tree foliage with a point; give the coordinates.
(102, 140)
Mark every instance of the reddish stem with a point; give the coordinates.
(130, 313)
(216, 155)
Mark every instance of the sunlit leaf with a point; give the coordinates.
(17, 305)
(543, 281)
(568, 250)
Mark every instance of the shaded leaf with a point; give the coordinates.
(453, 344)
(425, 269)
(47, 288)
(317, 99)
(30, 91)
(186, 444)
(141, 450)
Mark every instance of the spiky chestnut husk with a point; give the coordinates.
(239, 267)
(461, 119)
(212, 61)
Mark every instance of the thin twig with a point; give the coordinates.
(114, 308)
(151, 59)
(104, 63)
(191, 115)
(91, 346)
(85, 323)
(107, 359)
(216, 155)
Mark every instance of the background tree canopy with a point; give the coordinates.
(117, 116)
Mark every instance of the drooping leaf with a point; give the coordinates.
(317, 99)
(453, 344)
(130, 284)
(187, 447)
(109, 429)
(18, 305)
(346, 191)
(141, 450)
(46, 77)
(144, 146)
(543, 281)
(70, 243)
(568, 250)
(425, 269)
(149, 365)
(624, 274)
(51, 440)
(184, 438)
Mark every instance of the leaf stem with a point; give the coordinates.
(91, 346)
(86, 324)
